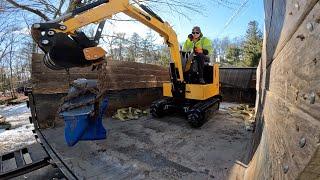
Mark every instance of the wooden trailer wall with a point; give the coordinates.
(238, 84)
(287, 137)
(128, 84)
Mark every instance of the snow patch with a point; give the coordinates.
(20, 134)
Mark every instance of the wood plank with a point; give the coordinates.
(283, 145)
(297, 80)
(106, 77)
(57, 87)
(133, 64)
(9, 165)
(19, 158)
(1, 164)
(27, 158)
(37, 153)
(38, 65)
(289, 98)
(312, 170)
(131, 70)
(282, 20)
(117, 75)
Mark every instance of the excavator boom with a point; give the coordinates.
(66, 47)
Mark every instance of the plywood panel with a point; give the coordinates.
(289, 96)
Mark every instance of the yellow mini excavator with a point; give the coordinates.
(65, 46)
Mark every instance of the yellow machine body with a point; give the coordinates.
(106, 9)
(66, 47)
(198, 91)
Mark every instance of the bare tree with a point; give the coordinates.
(4, 32)
(119, 46)
(109, 41)
(148, 47)
(134, 47)
(10, 58)
(45, 9)
(120, 43)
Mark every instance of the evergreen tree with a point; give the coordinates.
(134, 47)
(252, 47)
(233, 53)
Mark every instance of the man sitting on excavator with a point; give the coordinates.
(201, 48)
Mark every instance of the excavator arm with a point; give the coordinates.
(66, 47)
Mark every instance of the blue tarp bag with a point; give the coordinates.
(83, 121)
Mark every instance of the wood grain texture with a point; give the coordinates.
(116, 75)
(47, 104)
(283, 18)
(289, 95)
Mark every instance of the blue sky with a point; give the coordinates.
(212, 21)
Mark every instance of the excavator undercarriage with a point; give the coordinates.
(196, 112)
(67, 47)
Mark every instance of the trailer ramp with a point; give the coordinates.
(23, 161)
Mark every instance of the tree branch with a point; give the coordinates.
(58, 12)
(24, 7)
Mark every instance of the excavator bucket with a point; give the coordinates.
(63, 50)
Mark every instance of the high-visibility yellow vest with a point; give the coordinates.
(203, 43)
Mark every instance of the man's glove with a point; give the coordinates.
(190, 36)
(198, 50)
(201, 51)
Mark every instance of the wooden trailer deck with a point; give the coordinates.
(150, 148)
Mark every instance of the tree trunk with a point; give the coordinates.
(11, 86)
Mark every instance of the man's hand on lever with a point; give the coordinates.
(199, 50)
